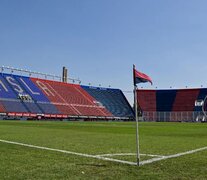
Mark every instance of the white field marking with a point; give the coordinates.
(84, 95)
(90, 101)
(152, 155)
(172, 156)
(63, 99)
(68, 152)
(104, 158)
(128, 154)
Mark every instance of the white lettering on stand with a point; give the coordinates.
(13, 83)
(35, 93)
(2, 84)
(45, 88)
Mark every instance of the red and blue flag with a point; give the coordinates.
(140, 77)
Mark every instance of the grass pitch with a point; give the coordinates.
(98, 138)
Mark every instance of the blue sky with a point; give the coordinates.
(100, 40)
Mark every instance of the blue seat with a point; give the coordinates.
(14, 106)
(113, 99)
(48, 108)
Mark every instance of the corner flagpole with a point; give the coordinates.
(137, 119)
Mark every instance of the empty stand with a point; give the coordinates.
(185, 100)
(112, 99)
(202, 94)
(17, 89)
(181, 100)
(2, 109)
(165, 100)
(66, 109)
(70, 98)
(21, 94)
(48, 108)
(14, 106)
(31, 89)
(33, 108)
(147, 100)
(171, 105)
(6, 90)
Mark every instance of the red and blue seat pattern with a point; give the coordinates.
(170, 105)
(57, 98)
(180, 100)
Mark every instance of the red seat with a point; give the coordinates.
(70, 99)
(2, 109)
(185, 100)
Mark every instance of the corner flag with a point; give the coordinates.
(140, 77)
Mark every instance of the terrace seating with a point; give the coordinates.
(92, 111)
(31, 89)
(112, 99)
(165, 100)
(6, 90)
(171, 105)
(185, 100)
(17, 85)
(202, 94)
(48, 108)
(2, 108)
(66, 109)
(14, 106)
(31, 95)
(181, 100)
(33, 108)
(147, 100)
(70, 99)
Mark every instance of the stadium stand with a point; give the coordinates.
(72, 99)
(202, 94)
(165, 100)
(170, 105)
(147, 100)
(2, 108)
(185, 100)
(112, 99)
(14, 106)
(33, 97)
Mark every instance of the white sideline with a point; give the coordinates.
(152, 155)
(128, 154)
(158, 158)
(172, 156)
(69, 152)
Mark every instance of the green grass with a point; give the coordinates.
(18, 162)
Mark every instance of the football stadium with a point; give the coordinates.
(67, 130)
(103, 90)
(31, 97)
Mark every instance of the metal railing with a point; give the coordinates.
(35, 74)
(191, 116)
